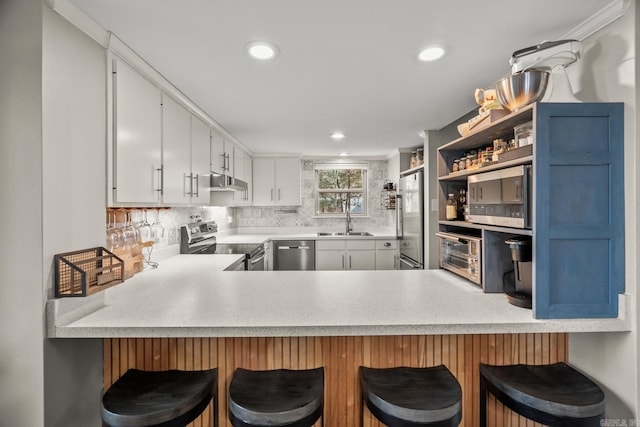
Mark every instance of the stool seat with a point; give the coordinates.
(555, 394)
(158, 398)
(279, 397)
(404, 396)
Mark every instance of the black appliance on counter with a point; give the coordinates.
(199, 238)
(518, 283)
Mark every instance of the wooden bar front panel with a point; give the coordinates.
(341, 357)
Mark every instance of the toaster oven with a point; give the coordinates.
(461, 254)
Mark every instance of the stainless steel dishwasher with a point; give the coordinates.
(294, 255)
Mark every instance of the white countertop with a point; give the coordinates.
(190, 296)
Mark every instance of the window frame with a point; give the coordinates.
(363, 167)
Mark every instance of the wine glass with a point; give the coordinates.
(158, 228)
(113, 234)
(131, 233)
(145, 229)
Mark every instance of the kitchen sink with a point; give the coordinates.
(351, 233)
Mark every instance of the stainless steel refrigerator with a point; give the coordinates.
(410, 221)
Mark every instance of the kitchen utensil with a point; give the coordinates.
(553, 57)
(521, 89)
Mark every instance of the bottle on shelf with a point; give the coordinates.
(451, 211)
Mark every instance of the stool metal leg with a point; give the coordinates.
(483, 402)
(215, 411)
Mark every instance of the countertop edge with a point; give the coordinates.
(557, 326)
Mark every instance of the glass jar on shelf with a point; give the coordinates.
(456, 166)
(414, 160)
(451, 211)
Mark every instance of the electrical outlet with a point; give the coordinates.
(174, 236)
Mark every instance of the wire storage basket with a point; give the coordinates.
(85, 272)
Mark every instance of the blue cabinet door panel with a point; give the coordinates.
(579, 209)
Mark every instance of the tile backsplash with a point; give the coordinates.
(172, 219)
(304, 215)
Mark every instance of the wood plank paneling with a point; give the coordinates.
(341, 358)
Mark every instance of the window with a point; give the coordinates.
(340, 187)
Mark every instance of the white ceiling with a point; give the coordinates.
(345, 65)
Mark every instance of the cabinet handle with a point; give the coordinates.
(343, 262)
(224, 161)
(349, 262)
(480, 191)
(278, 194)
(160, 171)
(272, 194)
(387, 244)
(189, 177)
(197, 179)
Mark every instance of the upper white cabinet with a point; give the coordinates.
(219, 159)
(176, 152)
(200, 166)
(276, 181)
(136, 168)
(242, 169)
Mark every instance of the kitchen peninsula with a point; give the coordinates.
(190, 314)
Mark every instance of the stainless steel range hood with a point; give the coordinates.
(225, 182)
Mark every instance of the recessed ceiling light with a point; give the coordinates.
(261, 50)
(343, 154)
(422, 134)
(338, 135)
(431, 53)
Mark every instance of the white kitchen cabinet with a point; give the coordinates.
(185, 154)
(345, 254)
(136, 174)
(386, 254)
(330, 260)
(242, 170)
(276, 181)
(200, 153)
(218, 157)
(176, 153)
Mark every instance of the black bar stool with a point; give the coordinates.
(276, 398)
(410, 397)
(159, 398)
(555, 395)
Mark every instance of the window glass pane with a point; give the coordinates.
(337, 202)
(333, 179)
(330, 202)
(356, 203)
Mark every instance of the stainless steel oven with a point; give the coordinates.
(501, 197)
(200, 238)
(462, 255)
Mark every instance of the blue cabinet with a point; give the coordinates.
(579, 210)
(577, 229)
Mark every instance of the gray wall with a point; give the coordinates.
(609, 75)
(52, 170)
(73, 203)
(21, 270)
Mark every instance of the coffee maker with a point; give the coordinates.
(517, 283)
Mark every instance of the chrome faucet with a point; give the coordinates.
(349, 226)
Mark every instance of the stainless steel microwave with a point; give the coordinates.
(501, 197)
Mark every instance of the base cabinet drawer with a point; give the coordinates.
(345, 254)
